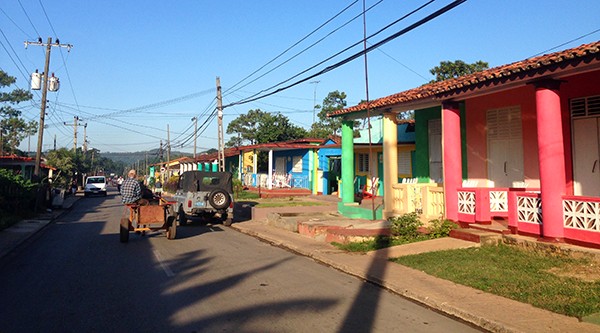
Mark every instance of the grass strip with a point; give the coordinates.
(542, 280)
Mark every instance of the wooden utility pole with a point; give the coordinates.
(168, 151)
(74, 124)
(48, 45)
(221, 154)
(195, 120)
(85, 139)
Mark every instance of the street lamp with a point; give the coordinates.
(314, 98)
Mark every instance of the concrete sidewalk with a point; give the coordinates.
(20, 232)
(490, 312)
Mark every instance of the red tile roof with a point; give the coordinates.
(526, 69)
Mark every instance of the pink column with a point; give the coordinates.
(452, 158)
(551, 158)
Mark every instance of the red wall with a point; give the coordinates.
(476, 109)
(582, 85)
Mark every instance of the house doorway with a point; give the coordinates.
(335, 172)
(585, 113)
(505, 146)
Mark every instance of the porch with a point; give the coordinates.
(521, 208)
(278, 180)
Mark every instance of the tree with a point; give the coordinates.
(327, 126)
(262, 127)
(13, 128)
(449, 70)
(277, 128)
(334, 101)
(246, 127)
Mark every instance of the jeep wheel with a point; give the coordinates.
(181, 217)
(219, 199)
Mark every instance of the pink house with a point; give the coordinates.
(519, 143)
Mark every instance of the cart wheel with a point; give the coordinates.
(171, 227)
(124, 232)
(227, 220)
(181, 217)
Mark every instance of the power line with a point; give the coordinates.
(158, 104)
(48, 19)
(288, 49)
(565, 43)
(315, 43)
(16, 25)
(401, 64)
(16, 55)
(356, 55)
(28, 18)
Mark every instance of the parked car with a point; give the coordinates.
(95, 185)
(205, 194)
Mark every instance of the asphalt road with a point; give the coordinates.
(76, 276)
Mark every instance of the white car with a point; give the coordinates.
(95, 185)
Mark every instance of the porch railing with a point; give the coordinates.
(425, 199)
(480, 204)
(279, 180)
(582, 213)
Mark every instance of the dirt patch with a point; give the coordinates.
(588, 270)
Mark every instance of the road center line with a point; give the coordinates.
(164, 265)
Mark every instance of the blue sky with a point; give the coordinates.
(137, 67)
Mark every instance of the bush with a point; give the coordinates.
(406, 225)
(17, 197)
(171, 184)
(440, 228)
(238, 187)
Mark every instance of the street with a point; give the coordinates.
(75, 276)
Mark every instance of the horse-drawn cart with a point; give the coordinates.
(156, 215)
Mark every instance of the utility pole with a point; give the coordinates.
(74, 124)
(168, 151)
(221, 155)
(195, 120)
(85, 142)
(48, 45)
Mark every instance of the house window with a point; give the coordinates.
(404, 163)
(363, 162)
(585, 107)
(297, 160)
(435, 149)
(280, 165)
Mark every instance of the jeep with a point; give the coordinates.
(205, 194)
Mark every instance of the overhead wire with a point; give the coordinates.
(19, 68)
(311, 46)
(568, 42)
(29, 19)
(356, 55)
(288, 49)
(331, 57)
(16, 25)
